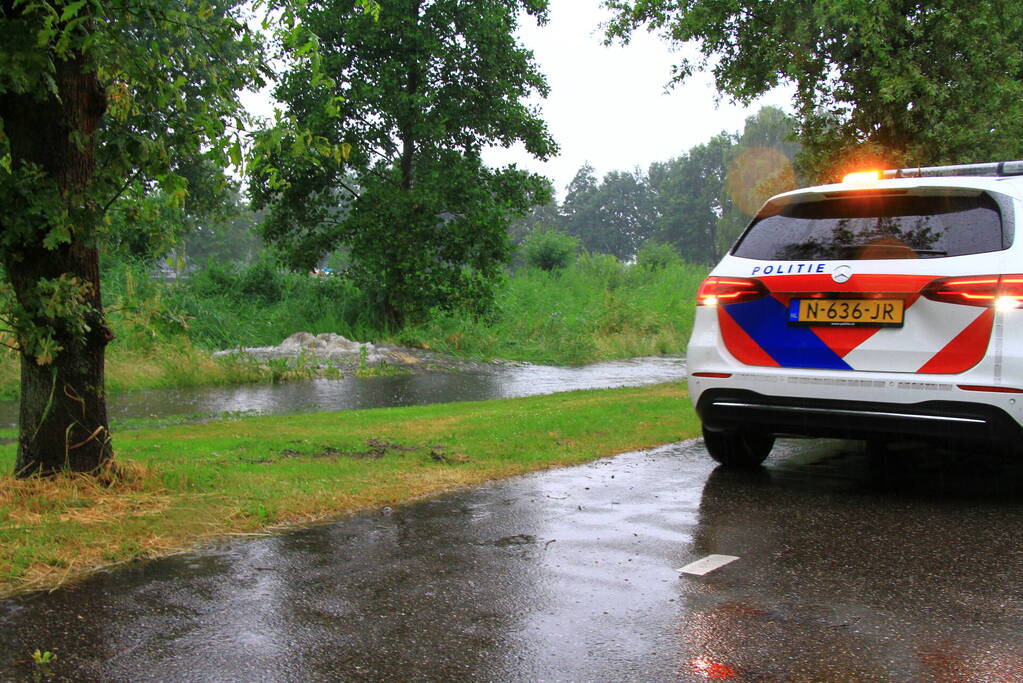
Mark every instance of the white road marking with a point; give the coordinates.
(707, 564)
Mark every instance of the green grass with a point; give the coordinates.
(596, 309)
(177, 486)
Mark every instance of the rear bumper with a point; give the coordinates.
(950, 423)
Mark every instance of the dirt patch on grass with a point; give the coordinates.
(375, 450)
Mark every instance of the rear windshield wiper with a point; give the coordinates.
(856, 249)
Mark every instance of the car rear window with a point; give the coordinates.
(876, 227)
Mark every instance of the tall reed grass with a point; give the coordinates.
(261, 305)
(596, 309)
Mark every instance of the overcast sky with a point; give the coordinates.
(608, 104)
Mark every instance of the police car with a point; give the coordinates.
(886, 307)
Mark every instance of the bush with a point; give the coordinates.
(216, 279)
(655, 255)
(549, 248)
(603, 270)
(261, 281)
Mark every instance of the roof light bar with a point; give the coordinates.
(861, 177)
(994, 168)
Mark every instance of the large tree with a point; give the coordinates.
(412, 100)
(705, 197)
(95, 98)
(761, 164)
(896, 82)
(691, 199)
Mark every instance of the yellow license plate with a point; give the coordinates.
(867, 312)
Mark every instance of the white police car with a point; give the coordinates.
(886, 307)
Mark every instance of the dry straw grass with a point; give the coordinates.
(34, 505)
(115, 483)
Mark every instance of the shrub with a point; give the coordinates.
(261, 281)
(549, 248)
(216, 279)
(655, 255)
(602, 268)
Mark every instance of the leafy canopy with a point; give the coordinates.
(168, 73)
(409, 103)
(887, 81)
(613, 216)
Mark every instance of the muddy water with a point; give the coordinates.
(382, 392)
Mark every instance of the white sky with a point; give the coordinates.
(608, 104)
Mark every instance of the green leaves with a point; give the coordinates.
(548, 248)
(159, 81)
(380, 152)
(58, 307)
(880, 81)
(613, 216)
(71, 9)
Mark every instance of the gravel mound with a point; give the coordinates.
(333, 349)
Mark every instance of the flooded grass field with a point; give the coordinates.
(351, 393)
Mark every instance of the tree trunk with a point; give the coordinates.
(63, 416)
(63, 413)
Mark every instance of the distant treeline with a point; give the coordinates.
(697, 202)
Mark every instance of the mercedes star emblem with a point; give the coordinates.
(841, 274)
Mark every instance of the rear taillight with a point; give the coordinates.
(1003, 292)
(729, 290)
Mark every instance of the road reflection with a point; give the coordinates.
(855, 571)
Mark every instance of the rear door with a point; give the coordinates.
(849, 279)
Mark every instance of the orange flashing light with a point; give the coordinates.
(861, 177)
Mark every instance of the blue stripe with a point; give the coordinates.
(765, 320)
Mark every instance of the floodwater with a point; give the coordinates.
(498, 381)
(573, 575)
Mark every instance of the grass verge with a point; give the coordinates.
(178, 364)
(175, 487)
(597, 309)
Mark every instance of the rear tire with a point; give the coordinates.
(738, 449)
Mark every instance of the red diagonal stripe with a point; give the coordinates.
(842, 340)
(965, 350)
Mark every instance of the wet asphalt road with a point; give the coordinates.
(846, 573)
